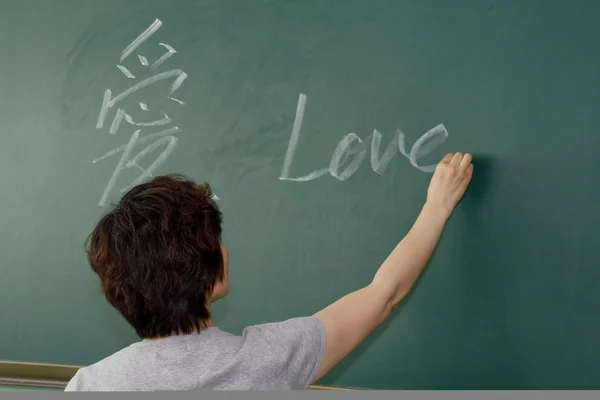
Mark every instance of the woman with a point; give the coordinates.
(161, 263)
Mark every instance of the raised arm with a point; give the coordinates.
(352, 318)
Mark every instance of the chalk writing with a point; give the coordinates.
(349, 145)
(291, 150)
(164, 139)
(353, 146)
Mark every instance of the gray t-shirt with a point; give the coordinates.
(274, 356)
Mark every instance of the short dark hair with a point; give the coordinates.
(158, 255)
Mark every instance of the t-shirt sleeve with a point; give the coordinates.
(289, 353)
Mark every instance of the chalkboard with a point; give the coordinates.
(255, 97)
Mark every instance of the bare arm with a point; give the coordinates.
(352, 318)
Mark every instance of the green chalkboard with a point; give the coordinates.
(512, 296)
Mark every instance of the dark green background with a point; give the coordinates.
(511, 298)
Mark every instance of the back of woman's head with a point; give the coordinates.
(158, 255)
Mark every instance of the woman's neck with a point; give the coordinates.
(206, 324)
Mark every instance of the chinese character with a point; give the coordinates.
(164, 139)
